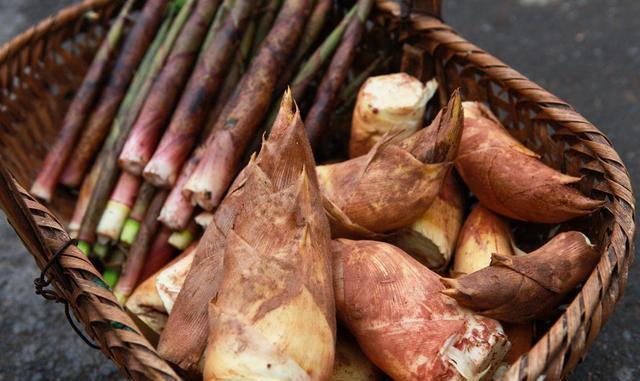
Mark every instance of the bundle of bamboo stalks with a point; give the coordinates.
(197, 129)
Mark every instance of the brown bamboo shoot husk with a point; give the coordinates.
(273, 316)
(521, 339)
(393, 306)
(395, 183)
(391, 103)
(431, 239)
(146, 304)
(509, 179)
(185, 339)
(170, 279)
(152, 300)
(483, 234)
(522, 288)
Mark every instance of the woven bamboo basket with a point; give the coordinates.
(40, 69)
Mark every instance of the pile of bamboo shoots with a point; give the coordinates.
(200, 199)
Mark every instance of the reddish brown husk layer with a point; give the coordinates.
(135, 46)
(393, 306)
(166, 89)
(184, 340)
(431, 239)
(510, 179)
(521, 339)
(483, 234)
(391, 186)
(242, 115)
(523, 288)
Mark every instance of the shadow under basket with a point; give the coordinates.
(41, 68)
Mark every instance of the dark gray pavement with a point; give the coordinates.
(585, 51)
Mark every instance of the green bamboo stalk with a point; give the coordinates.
(321, 55)
(106, 164)
(270, 9)
(101, 250)
(327, 95)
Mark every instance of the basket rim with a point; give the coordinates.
(570, 328)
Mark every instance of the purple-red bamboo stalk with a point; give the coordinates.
(80, 208)
(191, 112)
(105, 164)
(160, 253)
(133, 50)
(242, 115)
(327, 94)
(166, 89)
(177, 210)
(140, 249)
(73, 122)
(311, 32)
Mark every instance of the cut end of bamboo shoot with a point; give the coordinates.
(130, 231)
(204, 219)
(101, 250)
(133, 165)
(111, 277)
(182, 239)
(85, 247)
(41, 191)
(159, 173)
(112, 220)
(388, 104)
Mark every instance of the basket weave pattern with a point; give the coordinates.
(40, 69)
